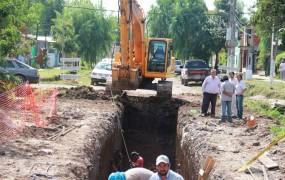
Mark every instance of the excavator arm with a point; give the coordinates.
(133, 64)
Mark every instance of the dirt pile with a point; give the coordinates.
(83, 92)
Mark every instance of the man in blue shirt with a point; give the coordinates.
(163, 170)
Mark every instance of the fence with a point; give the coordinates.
(24, 106)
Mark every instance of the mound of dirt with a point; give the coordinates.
(83, 92)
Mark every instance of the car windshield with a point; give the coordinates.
(104, 66)
(178, 63)
(196, 64)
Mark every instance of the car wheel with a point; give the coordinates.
(92, 83)
(97, 83)
(22, 79)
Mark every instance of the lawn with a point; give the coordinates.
(51, 76)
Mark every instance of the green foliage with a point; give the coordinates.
(12, 16)
(87, 32)
(7, 82)
(257, 87)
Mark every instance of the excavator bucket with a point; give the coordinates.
(164, 89)
(123, 79)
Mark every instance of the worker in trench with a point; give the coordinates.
(136, 159)
(132, 174)
(163, 170)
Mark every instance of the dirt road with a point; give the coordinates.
(95, 121)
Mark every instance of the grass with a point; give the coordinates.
(51, 76)
(258, 87)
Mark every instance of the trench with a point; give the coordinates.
(149, 126)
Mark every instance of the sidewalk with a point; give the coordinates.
(266, 78)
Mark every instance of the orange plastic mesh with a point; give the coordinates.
(24, 106)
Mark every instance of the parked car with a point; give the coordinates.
(23, 71)
(101, 72)
(194, 70)
(178, 64)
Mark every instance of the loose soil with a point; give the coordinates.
(95, 120)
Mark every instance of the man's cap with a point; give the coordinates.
(162, 158)
(117, 176)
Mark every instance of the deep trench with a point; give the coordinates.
(149, 127)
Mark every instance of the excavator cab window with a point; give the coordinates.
(157, 56)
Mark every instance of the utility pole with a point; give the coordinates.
(231, 39)
(272, 63)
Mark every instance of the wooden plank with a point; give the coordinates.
(208, 166)
(69, 76)
(70, 68)
(64, 60)
(264, 173)
(269, 163)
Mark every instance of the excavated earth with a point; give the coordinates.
(96, 124)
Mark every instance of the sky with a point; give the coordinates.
(145, 4)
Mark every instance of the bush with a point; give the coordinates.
(8, 82)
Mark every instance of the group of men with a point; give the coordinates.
(230, 88)
(139, 173)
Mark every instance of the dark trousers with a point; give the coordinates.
(207, 98)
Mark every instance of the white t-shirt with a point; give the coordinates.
(282, 67)
(233, 80)
(240, 87)
(138, 174)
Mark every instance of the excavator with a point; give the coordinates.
(139, 60)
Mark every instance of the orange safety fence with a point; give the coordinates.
(24, 106)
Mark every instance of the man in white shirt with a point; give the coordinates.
(282, 70)
(240, 89)
(234, 81)
(163, 170)
(137, 173)
(210, 89)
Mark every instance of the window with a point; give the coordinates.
(20, 65)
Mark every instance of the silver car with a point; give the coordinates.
(178, 64)
(21, 70)
(101, 72)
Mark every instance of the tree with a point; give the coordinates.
(190, 29)
(87, 31)
(268, 18)
(11, 21)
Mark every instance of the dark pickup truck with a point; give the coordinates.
(194, 70)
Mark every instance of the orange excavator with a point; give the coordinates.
(139, 60)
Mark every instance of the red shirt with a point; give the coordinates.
(139, 162)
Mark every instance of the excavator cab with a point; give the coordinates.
(160, 64)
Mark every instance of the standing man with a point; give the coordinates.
(282, 70)
(240, 89)
(163, 170)
(136, 159)
(132, 174)
(227, 91)
(210, 89)
(234, 81)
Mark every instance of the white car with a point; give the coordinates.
(101, 72)
(178, 64)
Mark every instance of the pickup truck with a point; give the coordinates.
(194, 70)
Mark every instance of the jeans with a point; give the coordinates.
(239, 104)
(226, 110)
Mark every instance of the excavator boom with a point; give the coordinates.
(140, 59)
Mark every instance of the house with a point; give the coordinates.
(248, 49)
